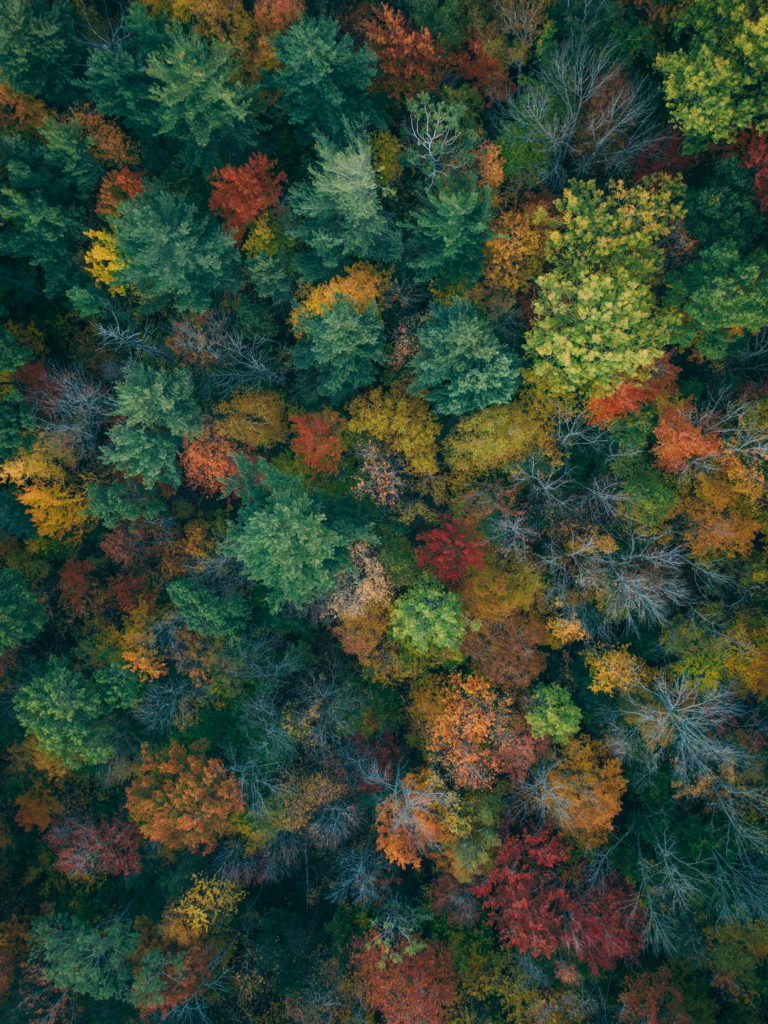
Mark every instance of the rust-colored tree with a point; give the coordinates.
(451, 550)
(240, 194)
(85, 847)
(207, 462)
(408, 987)
(409, 60)
(184, 800)
(318, 441)
(679, 439)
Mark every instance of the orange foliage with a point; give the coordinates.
(490, 169)
(135, 644)
(634, 394)
(318, 441)
(508, 652)
(409, 59)
(408, 987)
(475, 733)
(653, 998)
(583, 791)
(361, 283)
(36, 809)
(184, 800)
(485, 64)
(207, 461)
(20, 111)
(116, 187)
(515, 254)
(273, 16)
(409, 821)
(108, 142)
(679, 440)
(240, 194)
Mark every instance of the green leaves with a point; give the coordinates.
(88, 960)
(553, 713)
(175, 255)
(67, 710)
(428, 620)
(460, 362)
(22, 614)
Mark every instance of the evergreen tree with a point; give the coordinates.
(448, 235)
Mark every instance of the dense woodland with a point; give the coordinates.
(383, 448)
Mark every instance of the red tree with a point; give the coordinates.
(450, 550)
(207, 462)
(633, 394)
(756, 159)
(537, 908)
(318, 440)
(77, 587)
(653, 998)
(409, 60)
(416, 988)
(240, 194)
(84, 848)
(116, 187)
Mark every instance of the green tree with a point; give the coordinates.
(174, 254)
(553, 713)
(22, 615)
(207, 612)
(460, 362)
(428, 619)
(322, 79)
(343, 345)
(715, 86)
(42, 48)
(339, 214)
(68, 710)
(284, 541)
(157, 409)
(448, 235)
(598, 321)
(91, 960)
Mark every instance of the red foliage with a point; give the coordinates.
(679, 440)
(455, 901)
(116, 187)
(273, 16)
(410, 988)
(450, 550)
(126, 591)
(207, 462)
(409, 59)
(508, 653)
(634, 394)
(240, 194)
(537, 909)
(653, 998)
(477, 64)
(181, 980)
(663, 155)
(77, 587)
(318, 440)
(108, 142)
(86, 848)
(523, 893)
(136, 544)
(755, 145)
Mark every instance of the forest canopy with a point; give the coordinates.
(383, 519)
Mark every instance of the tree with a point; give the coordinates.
(322, 79)
(598, 322)
(410, 820)
(86, 848)
(450, 550)
(240, 194)
(553, 713)
(448, 234)
(508, 652)
(475, 733)
(712, 87)
(207, 612)
(419, 986)
(582, 791)
(338, 212)
(89, 960)
(184, 800)
(460, 363)
(41, 49)
(208, 461)
(409, 60)
(68, 711)
(318, 441)
(428, 620)
(653, 998)
(402, 422)
(172, 254)
(515, 254)
(157, 409)
(285, 543)
(22, 614)
(678, 440)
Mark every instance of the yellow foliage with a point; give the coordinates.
(135, 644)
(209, 903)
(385, 155)
(102, 260)
(494, 437)
(565, 631)
(255, 418)
(56, 510)
(361, 283)
(615, 670)
(515, 255)
(493, 592)
(402, 422)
